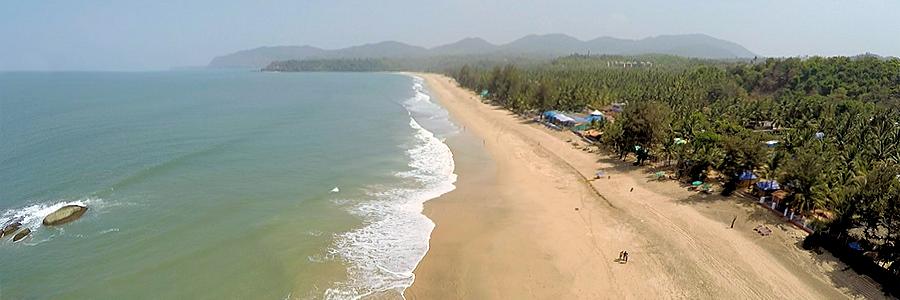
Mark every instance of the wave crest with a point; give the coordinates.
(383, 253)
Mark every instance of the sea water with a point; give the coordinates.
(218, 184)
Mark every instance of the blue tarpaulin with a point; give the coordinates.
(563, 118)
(747, 175)
(768, 185)
(592, 118)
(550, 114)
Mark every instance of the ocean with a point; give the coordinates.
(218, 184)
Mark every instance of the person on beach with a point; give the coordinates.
(625, 255)
(632, 190)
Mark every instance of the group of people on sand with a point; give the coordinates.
(623, 255)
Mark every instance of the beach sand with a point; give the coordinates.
(526, 223)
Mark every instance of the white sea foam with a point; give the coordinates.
(384, 252)
(32, 215)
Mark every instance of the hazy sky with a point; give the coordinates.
(138, 35)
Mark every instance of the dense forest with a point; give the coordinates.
(834, 122)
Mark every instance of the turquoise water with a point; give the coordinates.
(218, 184)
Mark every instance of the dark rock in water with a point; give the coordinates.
(9, 229)
(21, 235)
(64, 215)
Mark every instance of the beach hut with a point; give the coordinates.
(564, 120)
(746, 178)
(595, 115)
(766, 187)
(779, 195)
(548, 115)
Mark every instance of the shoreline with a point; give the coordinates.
(531, 226)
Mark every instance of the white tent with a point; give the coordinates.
(596, 113)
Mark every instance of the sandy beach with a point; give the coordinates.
(525, 222)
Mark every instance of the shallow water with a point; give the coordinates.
(218, 184)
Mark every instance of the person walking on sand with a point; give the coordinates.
(625, 255)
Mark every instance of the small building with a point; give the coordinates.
(746, 178)
(779, 196)
(558, 118)
(595, 115)
(766, 187)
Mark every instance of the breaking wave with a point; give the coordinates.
(383, 253)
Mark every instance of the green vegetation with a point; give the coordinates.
(422, 64)
(835, 120)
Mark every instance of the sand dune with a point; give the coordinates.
(524, 223)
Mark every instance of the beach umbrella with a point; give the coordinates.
(697, 183)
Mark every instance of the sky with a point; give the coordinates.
(160, 34)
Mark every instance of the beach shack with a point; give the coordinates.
(746, 178)
(779, 196)
(565, 120)
(766, 187)
(558, 118)
(595, 116)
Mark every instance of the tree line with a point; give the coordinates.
(833, 123)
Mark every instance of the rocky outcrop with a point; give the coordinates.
(64, 215)
(10, 228)
(21, 235)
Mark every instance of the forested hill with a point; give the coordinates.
(442, 64)
(546, 46)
